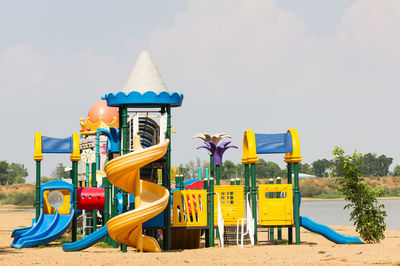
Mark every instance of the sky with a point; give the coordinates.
(330, 69)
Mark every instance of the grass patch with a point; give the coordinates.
(280, 242)
(389, 192)
(18, 198)
(103, 245)
(334, 194)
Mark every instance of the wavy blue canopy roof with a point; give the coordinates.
(148, 99)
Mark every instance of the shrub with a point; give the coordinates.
(367, 214)
(311, 189)
(21, 198)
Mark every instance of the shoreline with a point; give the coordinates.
(318, 199)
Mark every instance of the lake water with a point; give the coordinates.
(332, 212)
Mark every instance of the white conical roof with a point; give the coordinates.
(145, 76)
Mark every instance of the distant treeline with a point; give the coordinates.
(372, 165)
(12, 173)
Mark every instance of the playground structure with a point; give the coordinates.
(136, 133)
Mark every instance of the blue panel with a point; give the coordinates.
(112, 138)
(55, 145)
(273, 143)
(147, 99)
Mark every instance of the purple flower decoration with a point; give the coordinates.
(217, 151)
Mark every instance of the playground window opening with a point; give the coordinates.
(279, 195)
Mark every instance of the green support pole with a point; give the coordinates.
(97, 151)
(254, 199)
(279, 181)
(207, 188)
(123, 110)
(297, 202)
(246, 179)
(94, 184)
(167, 239)
(289, 181)
(211, 220)
(115, 210)
(75, 184)
(212, 166)
(106, 200)
(37, 190)
(87, 175)
(217, 171)
(271, 229)
(217, 183)
(182, 180)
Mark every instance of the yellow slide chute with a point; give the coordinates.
(150, 198)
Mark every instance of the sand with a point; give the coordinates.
(314, 250)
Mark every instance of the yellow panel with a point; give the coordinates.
(63, 209)
(275, 211)
(232, 203)
(38, 156)
(249, 148)
(189, 208)
(294, 156)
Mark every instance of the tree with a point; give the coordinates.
(17, 173)
(59, 172)
(320, 166)
(383, 165)
(396, 171)
(375, 166)
(184, 170)
(367, 214)
(228, 170)
(3, 172)
(305, 168)
(45, 179)
(267, 169)
(13, 173)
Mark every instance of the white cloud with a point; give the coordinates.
(268, 66)
(240, 64)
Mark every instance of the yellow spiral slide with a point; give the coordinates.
(150, 198)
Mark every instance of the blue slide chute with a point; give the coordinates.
(48, 228)
(88, 241)
(20, 231)
(327, 232)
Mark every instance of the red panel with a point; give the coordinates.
(90, 198)
(195, 185)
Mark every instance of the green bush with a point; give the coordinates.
(311, 190)
(332, 184)
(3, 195)
(389, 192)
(367, 214)
(19, 198)
(334, 194)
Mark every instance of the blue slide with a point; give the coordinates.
(327, 232)
(88, 241)
(49, 227)
(20, 231)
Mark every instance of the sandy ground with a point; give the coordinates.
(314, 250)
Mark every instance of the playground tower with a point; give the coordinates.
(143, 99)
